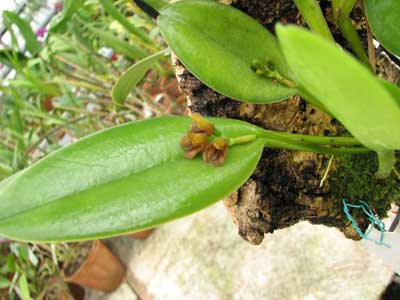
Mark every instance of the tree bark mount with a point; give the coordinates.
(288, 186)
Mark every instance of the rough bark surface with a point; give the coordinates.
(286, 186)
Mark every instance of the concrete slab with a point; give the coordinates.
(202, 257)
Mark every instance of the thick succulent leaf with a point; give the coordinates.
(312, 14)
(393, 89)
(346, 88)
(123, 179)
(157, 4)
(219, 44)
(131, 77)
(383, 17)
(342, 7)
(387, 160)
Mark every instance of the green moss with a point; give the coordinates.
(354, 180)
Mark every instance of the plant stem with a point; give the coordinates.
(328, 168)
(315, 140)
(300, 142)
(83, 111)
(289, 144)
(268, 71)
(371, 47)
(86, 85)
(242, 139)
(49, 133)
(78, 77)
(284, 81)
(90, 75)
(312, 14)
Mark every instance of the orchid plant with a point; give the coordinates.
(142, 174)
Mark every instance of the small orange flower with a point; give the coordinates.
(194, 143)
(201, 125)
(215, 153)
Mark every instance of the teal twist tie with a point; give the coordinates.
(371, 217)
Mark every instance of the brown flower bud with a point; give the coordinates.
(194, 143)
(200, 124)
(215, 153)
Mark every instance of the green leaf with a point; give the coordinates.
(341, 10)
(70, 7)
(129, 50)
(59, 44)
(383, 17)
(346, 88)
(38, 86)
(219, 45)
(120, 18)
(131, 77)
(13, 59)
(17, 125)
(123, 179)
(393, 89)
(4, 283)
(11, 264)
(5, 170)
(31, 43)
(312, 14)
(23, 253)
(24, 287)
(342, 7)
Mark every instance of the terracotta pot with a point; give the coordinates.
(142, 235)
(171, 87)
(101, 270)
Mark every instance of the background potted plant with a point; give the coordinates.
(92, 265)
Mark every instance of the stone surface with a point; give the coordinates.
(124, 292)
(202, 257)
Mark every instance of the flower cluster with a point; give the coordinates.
(197, 140)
